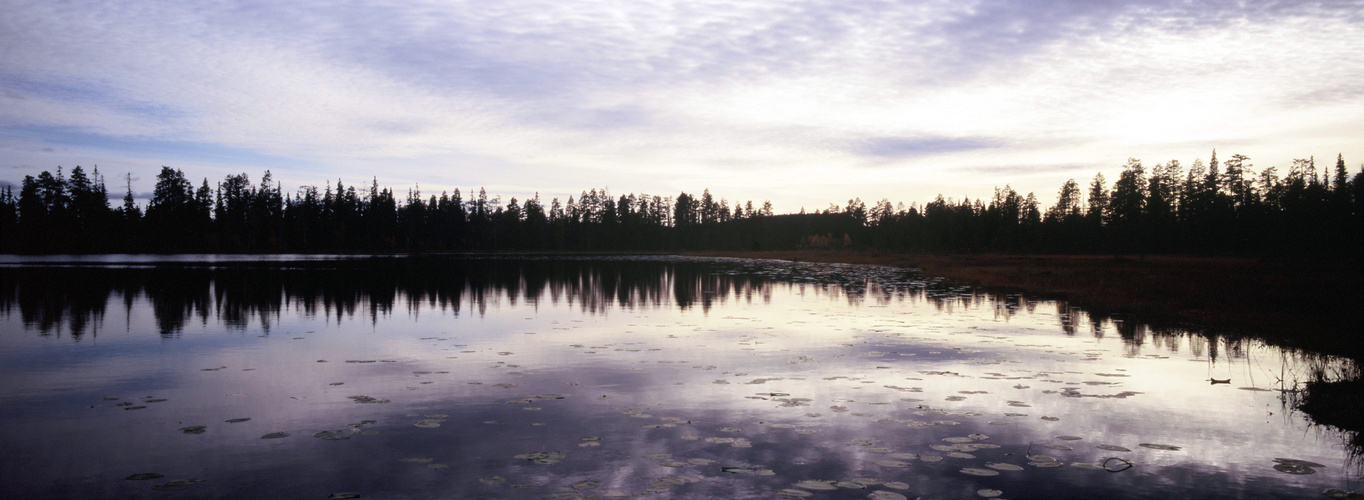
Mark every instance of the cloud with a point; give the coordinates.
(910, 147)
(665, 93)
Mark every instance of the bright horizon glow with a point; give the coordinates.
(804, 104)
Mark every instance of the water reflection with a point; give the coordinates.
(675, 368)
(240, 292)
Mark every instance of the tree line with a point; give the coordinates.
(1221, 208)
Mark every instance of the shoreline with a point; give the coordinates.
(1317, 306)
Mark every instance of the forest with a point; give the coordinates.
(1212, 208)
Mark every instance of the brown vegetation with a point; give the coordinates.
(1317, 306)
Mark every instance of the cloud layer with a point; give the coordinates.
(802, 103)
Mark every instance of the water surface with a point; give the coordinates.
(675, 377)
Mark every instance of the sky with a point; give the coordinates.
(804, 103)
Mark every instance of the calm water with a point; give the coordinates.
(677, 378)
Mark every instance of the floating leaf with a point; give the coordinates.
(1296, 467)
(1339, 494)
(144, 476)
(1069, 438)
(586, 485)
(275, 435)
(366, 399)
(973, 471)
(1155, 446)
(344, 495)
(1003, 466)
(815, 484)
(886, 495)
(236, 420)
(543, 457)
(896, 485)
(989, 493)
(1111, 447)
(792, 492)
(194, 429)
(891, 463)
(753, 471)
(331, 436)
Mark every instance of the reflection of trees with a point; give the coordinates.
(73, 299)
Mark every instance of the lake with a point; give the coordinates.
(564, 378)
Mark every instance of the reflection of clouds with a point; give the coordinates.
(867, 338)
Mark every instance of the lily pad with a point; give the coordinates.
(366, 400)
(194, 429)
(989, 493)
(1111, 447)
(543, 457)
(331, 436)
(1003, 466)
(974, 471)
(748, 471)
(236, 420)
(1339, 494)
(275, 435)
(144, 476)
(898, 485)
(344, 495)
(792, 492)
(817, 485)
(886, 495)
(1296, 467)
(1155, 446)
